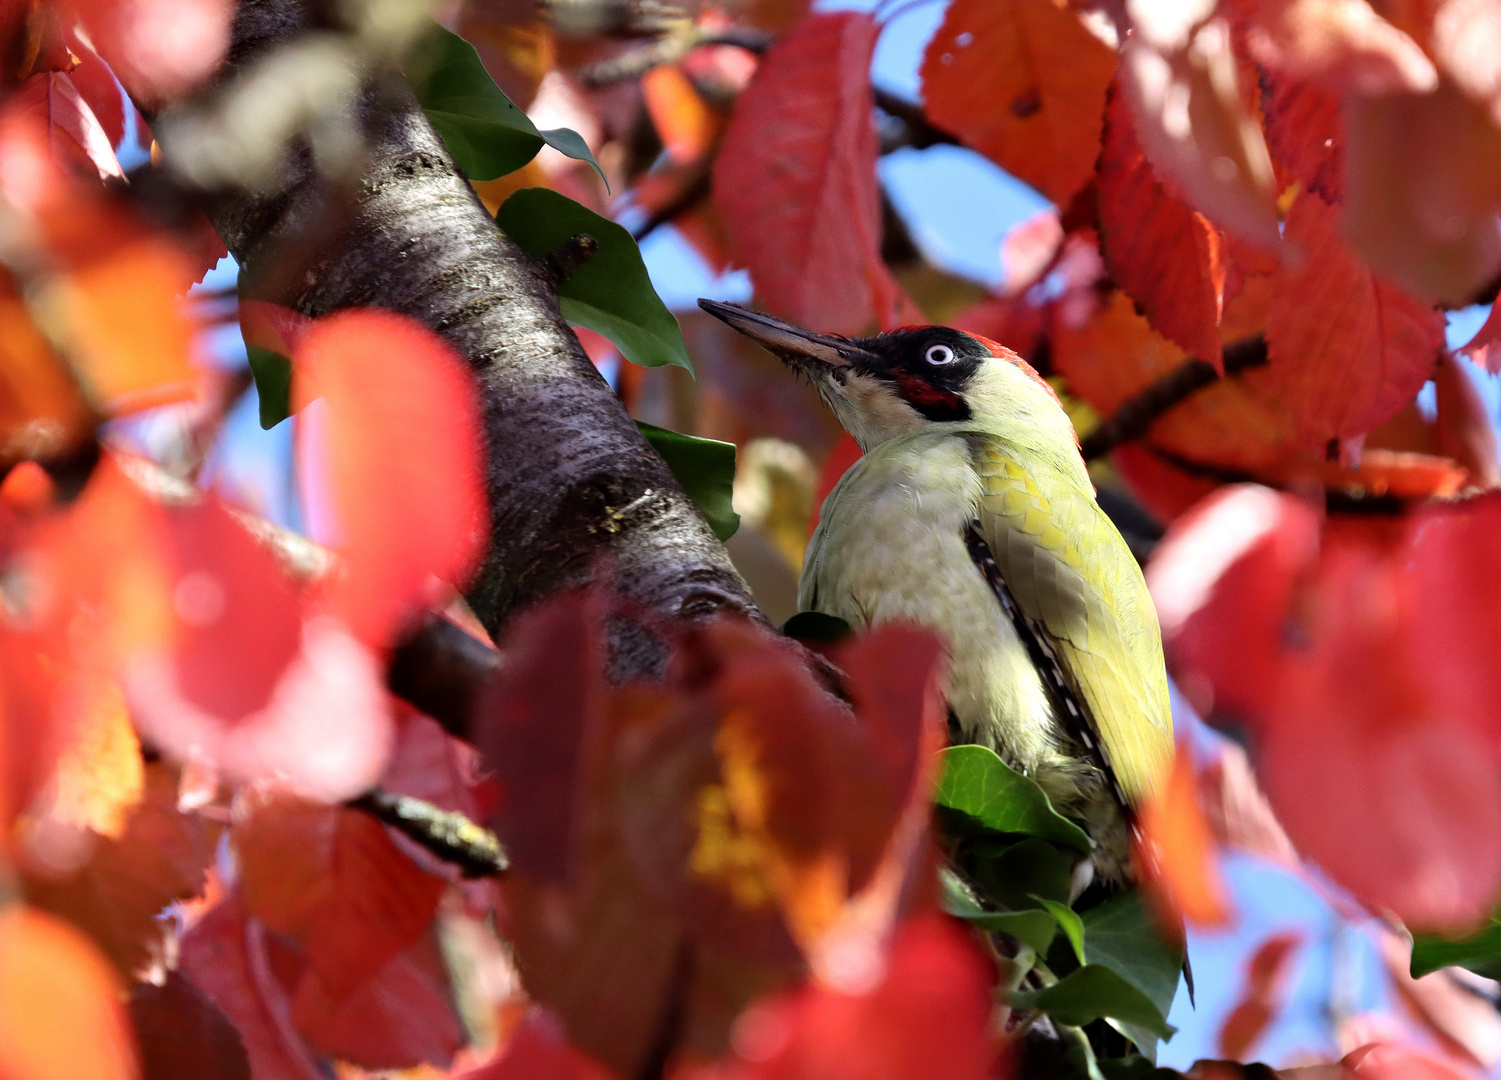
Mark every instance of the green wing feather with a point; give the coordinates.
(1076, 581)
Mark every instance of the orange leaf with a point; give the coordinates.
(1023, 82)
(333, 880)
(60, 1012)
(100, 777)
(796, 178)
(685, 123)
(1186, 871)
(1169, 258)
(406, 508)
(1267, 974)
(42, 413)
(1347, 348)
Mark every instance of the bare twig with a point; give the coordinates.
(450, 836)
(693, 193)
(669, 49)
(1137, 413)
(917, 131)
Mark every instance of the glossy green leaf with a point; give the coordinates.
(705, 468)
(1069, 922)
(1120, 934)
(611, 293)
(484, 130)
(816, 626)
(978, 784)
(1092, 992)
(1034, 928)
(273, 384)
(1480, 952)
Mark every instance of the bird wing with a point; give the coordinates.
(1079, 587)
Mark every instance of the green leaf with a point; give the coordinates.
(484, 130)
(1034, 928)
(1092, 992)
(816, 626)
(977, 783)
(1068, 921)
(1136, 1067)
(705, 468)
(611, 293)
(1480, 952)
(1121, 936)
(1012, 875)
(273, 384)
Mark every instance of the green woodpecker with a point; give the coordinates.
(971, 512)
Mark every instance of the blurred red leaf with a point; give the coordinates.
(686, 124)
(399, 1018)
(1023, 82)
(927, 1017)
(1185, 865)
(1197, 130)
(1480, 348)
(845, 453)
(410, 508)
(1222, 581)
(1306, 133)
(1423, 185)
(1465, 39)
(158, 48)
(1380, 1062)
(74, 134)
(1261, 995)
(332, 880)
(118, 894)
(1341, 44)
(1347, 348)
(1029, 249)
(539, 1051)
(183, 1035)
(1375, 775)
(224, 956)
(60, 1012)
(1463, 423)
(1169, 258)
(796, 178)
(96, 85)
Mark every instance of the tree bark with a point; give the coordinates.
(574, 489)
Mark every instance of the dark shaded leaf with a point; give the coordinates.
(1034, 928)
(483, 129)
(1090, 993)
(705, 468)
(273, 384)
(1034, 867)
(183, 1035)
(610, 294)
(976, 782)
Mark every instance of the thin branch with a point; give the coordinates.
(669, 49)
(693, 193)
(1136, 414)
(450, 836)
(917, 131)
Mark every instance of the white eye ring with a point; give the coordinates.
(940, 354)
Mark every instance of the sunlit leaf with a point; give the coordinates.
(1092, 992)
(612, 293)
(978, 784)
(483, 129)
(705, 468)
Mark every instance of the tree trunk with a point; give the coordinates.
(574, 489)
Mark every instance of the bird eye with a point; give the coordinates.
(940, 354)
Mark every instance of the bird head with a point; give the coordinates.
(910, 380)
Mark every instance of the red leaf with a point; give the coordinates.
(1169, 258)
(1342, 44)
(96, 85)
(158, 48)
(74, 135)
(1186, 870)
(534, 717)
(1267, 973)
(1463, 424)
(1222, 581)
(397, 1019)
(224, 956)
(538, 1051)
(1376, 1061)
(796, 177)
(1306, 133)
(402, 444)
(183, 1035)
(1347, 348)
(332, 879)
(1394, 793)
(1480, 347)
(1023, 82)
(926, 1019)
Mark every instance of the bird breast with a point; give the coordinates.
(890, 547)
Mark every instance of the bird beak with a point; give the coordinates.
(813, 353)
